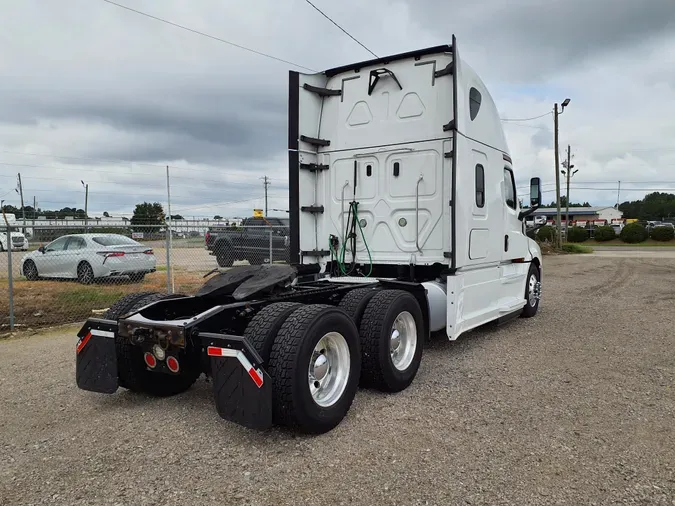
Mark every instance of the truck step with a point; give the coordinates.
(315, 141)
(315, 253)
(322, 92)
(313, 167)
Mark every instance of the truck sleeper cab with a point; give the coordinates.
(404, 220)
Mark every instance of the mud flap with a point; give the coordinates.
(96, 358)
(242, 389)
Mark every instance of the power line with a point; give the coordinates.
(192, 30)
(345, 31)
(522, 119)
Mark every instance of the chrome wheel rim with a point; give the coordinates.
(329, 368)
(531, 295)
(403, 341)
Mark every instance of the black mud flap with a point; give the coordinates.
(96, 361)
(242, 389)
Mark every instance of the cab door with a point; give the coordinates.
(514, 242)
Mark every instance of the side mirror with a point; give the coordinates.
(41, 249)
(535, 192)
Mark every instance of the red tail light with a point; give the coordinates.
(108, 254)
(148, 252)
(150, 360)
(172, 364)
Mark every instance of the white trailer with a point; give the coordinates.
(404, 221)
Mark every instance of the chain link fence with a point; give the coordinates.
(52, 274)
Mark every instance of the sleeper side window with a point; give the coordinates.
(480, 186)
(509, 188)
(474, 102)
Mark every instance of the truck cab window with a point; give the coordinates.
(480, 186)
(509, 188)
(474, 102)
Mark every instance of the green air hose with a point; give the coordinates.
(340, 257)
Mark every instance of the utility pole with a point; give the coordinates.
(266, 183)
(23, 209)
(564, 104)
(568, 172)
(618, 196)
(34, 214)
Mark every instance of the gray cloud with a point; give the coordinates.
(85, 79)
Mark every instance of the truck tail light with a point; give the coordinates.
(172, 364)
(148, 252)
(150, 360)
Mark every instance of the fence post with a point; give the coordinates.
(169, 284)
(10, 273)
(271, 231)
(168, 257)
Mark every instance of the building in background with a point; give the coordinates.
(583, 214)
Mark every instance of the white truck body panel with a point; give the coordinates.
(416, 140)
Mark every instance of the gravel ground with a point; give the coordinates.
(572, 407)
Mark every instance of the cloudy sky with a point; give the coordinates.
(93, 92)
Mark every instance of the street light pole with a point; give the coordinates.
(564, 104)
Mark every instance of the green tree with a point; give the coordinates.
(147, 217)
(655, 206)
(217, 217)
(105, 213)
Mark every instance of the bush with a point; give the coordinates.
(663, 233)
(605, 233)
(577, 234)
(546, 233)
(633, 232)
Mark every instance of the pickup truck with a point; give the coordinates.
(250, 241)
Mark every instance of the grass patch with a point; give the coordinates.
(88, 295)
(574, 248)
(46, 302)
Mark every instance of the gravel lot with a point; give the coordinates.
(574, 407)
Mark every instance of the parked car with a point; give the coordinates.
(19, 242)
(250, 241)
(87, 257)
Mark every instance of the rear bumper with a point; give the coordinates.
(242, 389)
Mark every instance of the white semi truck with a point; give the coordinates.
(404, 220)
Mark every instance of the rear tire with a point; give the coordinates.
(263, 328)
(354, 303)
(224, 258)
(131, 369)
(30, 271)
(319, 406)
(85, 274)
(391, 361)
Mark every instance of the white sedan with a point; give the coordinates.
(87, 257)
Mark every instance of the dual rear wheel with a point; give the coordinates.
(317, 355)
